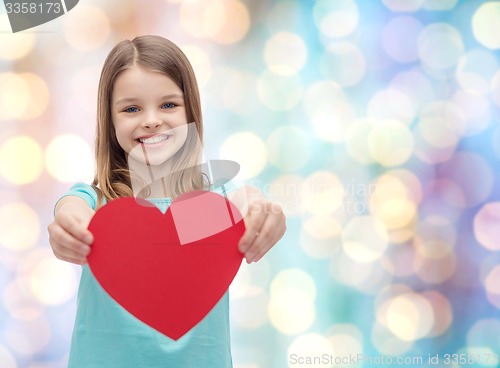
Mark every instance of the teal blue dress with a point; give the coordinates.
(105, 335)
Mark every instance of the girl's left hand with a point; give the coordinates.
(265, 225)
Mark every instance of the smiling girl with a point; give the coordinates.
(149, 130)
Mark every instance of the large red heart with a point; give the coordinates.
(168, 270)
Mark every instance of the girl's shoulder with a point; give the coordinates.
(88, 192)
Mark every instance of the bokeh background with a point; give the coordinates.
(375, 123)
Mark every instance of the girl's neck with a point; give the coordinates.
(153, 177)
(158, 189)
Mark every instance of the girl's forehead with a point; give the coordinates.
(141, 73)
(143, 80)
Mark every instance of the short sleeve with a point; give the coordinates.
(84, 191)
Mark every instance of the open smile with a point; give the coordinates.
(160, 138)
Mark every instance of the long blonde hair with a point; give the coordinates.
(112, 177)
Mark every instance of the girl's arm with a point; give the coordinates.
(68, 234)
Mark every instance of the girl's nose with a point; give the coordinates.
(151, 124)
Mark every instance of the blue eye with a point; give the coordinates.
(131, 107)
(170, 105)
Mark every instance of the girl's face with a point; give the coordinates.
(149, 115)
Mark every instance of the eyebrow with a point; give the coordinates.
(133, 99)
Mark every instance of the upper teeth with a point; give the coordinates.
(155, 139)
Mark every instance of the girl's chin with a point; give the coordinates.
(157, 163)
(152, 160)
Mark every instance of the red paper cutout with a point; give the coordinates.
(139, 261)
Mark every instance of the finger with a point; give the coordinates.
(262, 242)
(78, 261)
(254, 222)
(270, 233)
(76, 229)
(67, 244)
(262, 251)
(64, 254)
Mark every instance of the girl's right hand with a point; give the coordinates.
(68, 234)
